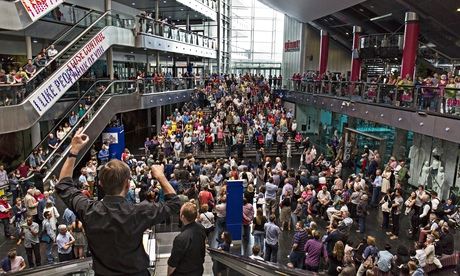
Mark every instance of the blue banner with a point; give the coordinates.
(234, 217)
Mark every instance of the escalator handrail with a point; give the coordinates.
(268, 266)
(61, 52)
(77, 126)
(65, 117)
(44, 268)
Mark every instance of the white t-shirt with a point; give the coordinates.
(207, 219)
(16, 263)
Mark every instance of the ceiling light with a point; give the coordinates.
(347, 33)
(361, 10)
(181, 9)
(458, 9)
(132, 52)
(35, 41)
(133, 3)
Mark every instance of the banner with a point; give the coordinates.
(115, 137)
(38, 8)
(55, 86)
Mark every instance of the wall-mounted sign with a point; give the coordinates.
(38, 8)
(292, 46)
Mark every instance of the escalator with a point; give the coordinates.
(83, 46)
(110, 99)
(238, 265)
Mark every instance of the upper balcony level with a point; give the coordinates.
(426, 109)
(207, 8)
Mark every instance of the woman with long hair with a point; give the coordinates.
(77, 231)
(336, 260)
(258, 228)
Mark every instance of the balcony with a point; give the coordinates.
(161, 36)
(429, 110)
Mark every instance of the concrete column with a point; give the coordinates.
(35, 134)
(157, 10)
(410, 48)
(187, 22)
(149, 122)
(109, 53)
(355, 61)
(29, 47)
(323, 52)
(158, 62)
(400, 144)
(147, 67)
(109, 60)
(158, 119)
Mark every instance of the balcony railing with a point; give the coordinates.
(382, 41)
(437, 99)
(165, 30)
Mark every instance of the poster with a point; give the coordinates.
(110, 137)
(38, 8)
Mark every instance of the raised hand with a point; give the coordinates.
(157, 171)
(79, 140)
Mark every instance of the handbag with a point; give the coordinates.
(45, 237)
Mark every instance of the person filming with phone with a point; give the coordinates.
(114, 227)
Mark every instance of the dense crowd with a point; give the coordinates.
(241, 113)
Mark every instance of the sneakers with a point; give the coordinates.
(393, 237)
(389, 233)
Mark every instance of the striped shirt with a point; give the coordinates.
(300, 238)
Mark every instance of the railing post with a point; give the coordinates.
(379, 88)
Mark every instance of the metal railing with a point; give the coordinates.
(381, 41)
(165, 30)
(437, 99)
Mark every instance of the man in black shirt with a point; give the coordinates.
(187, 255)
(114, 227)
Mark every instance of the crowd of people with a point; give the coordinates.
(436, 92)
(320, 204)
(17, 78)
(325, 190)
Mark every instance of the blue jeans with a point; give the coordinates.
(246, 231)
(362, 224)
(271, 253)
(375, 196)
(259, 239)
(221, 226)
(49, 253)
(297, 259)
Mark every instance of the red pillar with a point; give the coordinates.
(355, 61)
(411, 32)
(323, 52)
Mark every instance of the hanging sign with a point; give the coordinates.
(38, 8)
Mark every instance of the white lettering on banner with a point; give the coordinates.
(55, 86)
(38, 8)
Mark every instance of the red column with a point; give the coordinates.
(355, 61)
(323, 52)
(411, 32)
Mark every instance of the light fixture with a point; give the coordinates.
(35, 41)
(381, 17)
(458, 9)
(347, 33)
(134, 4)
(181, 9)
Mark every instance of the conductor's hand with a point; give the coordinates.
(157, 171)
(79, 140)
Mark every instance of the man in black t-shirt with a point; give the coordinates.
(189, 249)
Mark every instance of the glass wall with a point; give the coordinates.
(257, 32)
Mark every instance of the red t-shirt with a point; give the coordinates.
(204, 197)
